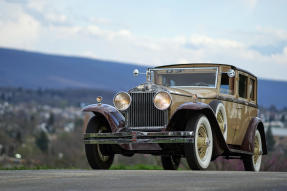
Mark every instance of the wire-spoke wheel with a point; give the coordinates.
(95, 152)
(170, 162)
(198, 154)
(253, 163)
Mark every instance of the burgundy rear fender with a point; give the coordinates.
(248, 141)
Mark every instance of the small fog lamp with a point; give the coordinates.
(99, 99)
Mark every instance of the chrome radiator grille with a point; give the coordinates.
(143, 113)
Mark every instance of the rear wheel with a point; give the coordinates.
(95, 152)
(198, 154)
(170, 162)
(253, 163)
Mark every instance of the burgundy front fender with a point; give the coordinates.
(115, 119)
(184, 112)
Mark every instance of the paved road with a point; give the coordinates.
(118, 180)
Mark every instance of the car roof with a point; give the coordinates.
(207, 64)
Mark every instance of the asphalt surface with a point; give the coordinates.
(138, 180)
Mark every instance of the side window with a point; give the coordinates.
(252, 89)
(242, 88)
(227, 84)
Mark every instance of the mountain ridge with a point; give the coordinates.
(27, 69)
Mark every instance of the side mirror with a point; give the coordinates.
(231, 73)
(136, 72)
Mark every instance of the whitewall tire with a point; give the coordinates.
(198, 154)
(253, 163)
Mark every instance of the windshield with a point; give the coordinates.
(195, 77)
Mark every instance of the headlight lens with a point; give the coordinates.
(162, 100)
(122, 101)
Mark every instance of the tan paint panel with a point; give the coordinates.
(237, 119)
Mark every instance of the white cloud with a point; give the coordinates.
(280, 58)
(18, 30)
(206, 41)
(56, 18)
(95, 30)
(251, 3)
(21, 30)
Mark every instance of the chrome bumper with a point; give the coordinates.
(137, 137)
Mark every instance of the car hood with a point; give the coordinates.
(200, 92)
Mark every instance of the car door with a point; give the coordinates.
(227, 94)
(242, 108)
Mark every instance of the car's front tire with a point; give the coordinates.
(94, 152)
(198, 154)
(170, 162)
(253, 162)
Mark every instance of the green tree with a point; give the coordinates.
(50, 123)
(270, 139)
(42, 141)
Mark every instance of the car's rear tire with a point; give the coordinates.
(198, 154)
(170, 162)
(253, 162)
(94, 152)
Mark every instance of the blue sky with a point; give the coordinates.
(251, 34)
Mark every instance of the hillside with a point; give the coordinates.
(36, 70)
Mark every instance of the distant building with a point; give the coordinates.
(277, 127)
(274, 124)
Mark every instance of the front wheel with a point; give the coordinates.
(198, 154)
(253, 163)
(170, 162)
(95, 152)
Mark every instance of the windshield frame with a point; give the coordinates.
(196, 68)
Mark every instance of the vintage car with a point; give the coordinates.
(196, 111)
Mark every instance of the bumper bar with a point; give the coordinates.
(137, 137)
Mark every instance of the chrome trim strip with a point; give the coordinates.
(139, 134)
(236, 100)
(140, 141)
(148, 127)
(139, 137)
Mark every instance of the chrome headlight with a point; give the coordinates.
(162, 100)
(122, 101)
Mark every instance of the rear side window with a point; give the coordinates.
(227, 84)
(252, 89)
(242, 88)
